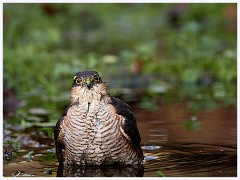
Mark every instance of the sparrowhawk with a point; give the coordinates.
(96, 129)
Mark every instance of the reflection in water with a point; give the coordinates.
(100, 171)
(167, 125)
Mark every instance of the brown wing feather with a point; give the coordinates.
(128, 126)
(58, 134)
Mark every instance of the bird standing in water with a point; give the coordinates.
(96, 128)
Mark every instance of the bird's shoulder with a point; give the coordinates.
(123, 109)
(58, 128)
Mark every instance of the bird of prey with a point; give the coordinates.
(96, 129)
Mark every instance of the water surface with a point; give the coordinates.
(176, 141)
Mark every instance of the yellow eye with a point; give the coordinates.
(97, 78)
(78, 81)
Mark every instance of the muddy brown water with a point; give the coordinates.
(176, 142)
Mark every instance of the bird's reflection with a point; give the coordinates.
(100, 171)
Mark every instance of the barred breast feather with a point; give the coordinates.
(97, 129)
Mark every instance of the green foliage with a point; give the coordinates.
(10, 150)
(49, 131)
(14, 144)
(46, 44)
(191, 124)
(29, 156)
(49, 157)
(148, 103)
(48, 171)
(16, 173)
(160, 174)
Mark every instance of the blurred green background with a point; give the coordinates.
(147, 53)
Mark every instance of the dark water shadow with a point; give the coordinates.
(100, 171)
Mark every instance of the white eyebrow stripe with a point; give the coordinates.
(75, 77)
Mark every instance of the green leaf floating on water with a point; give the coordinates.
(160, 174)
(48, 171)
(30, 156)
(191, 124)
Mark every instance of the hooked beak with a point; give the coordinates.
(89, 83)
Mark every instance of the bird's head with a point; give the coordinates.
(87, 85)
(86, 79)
